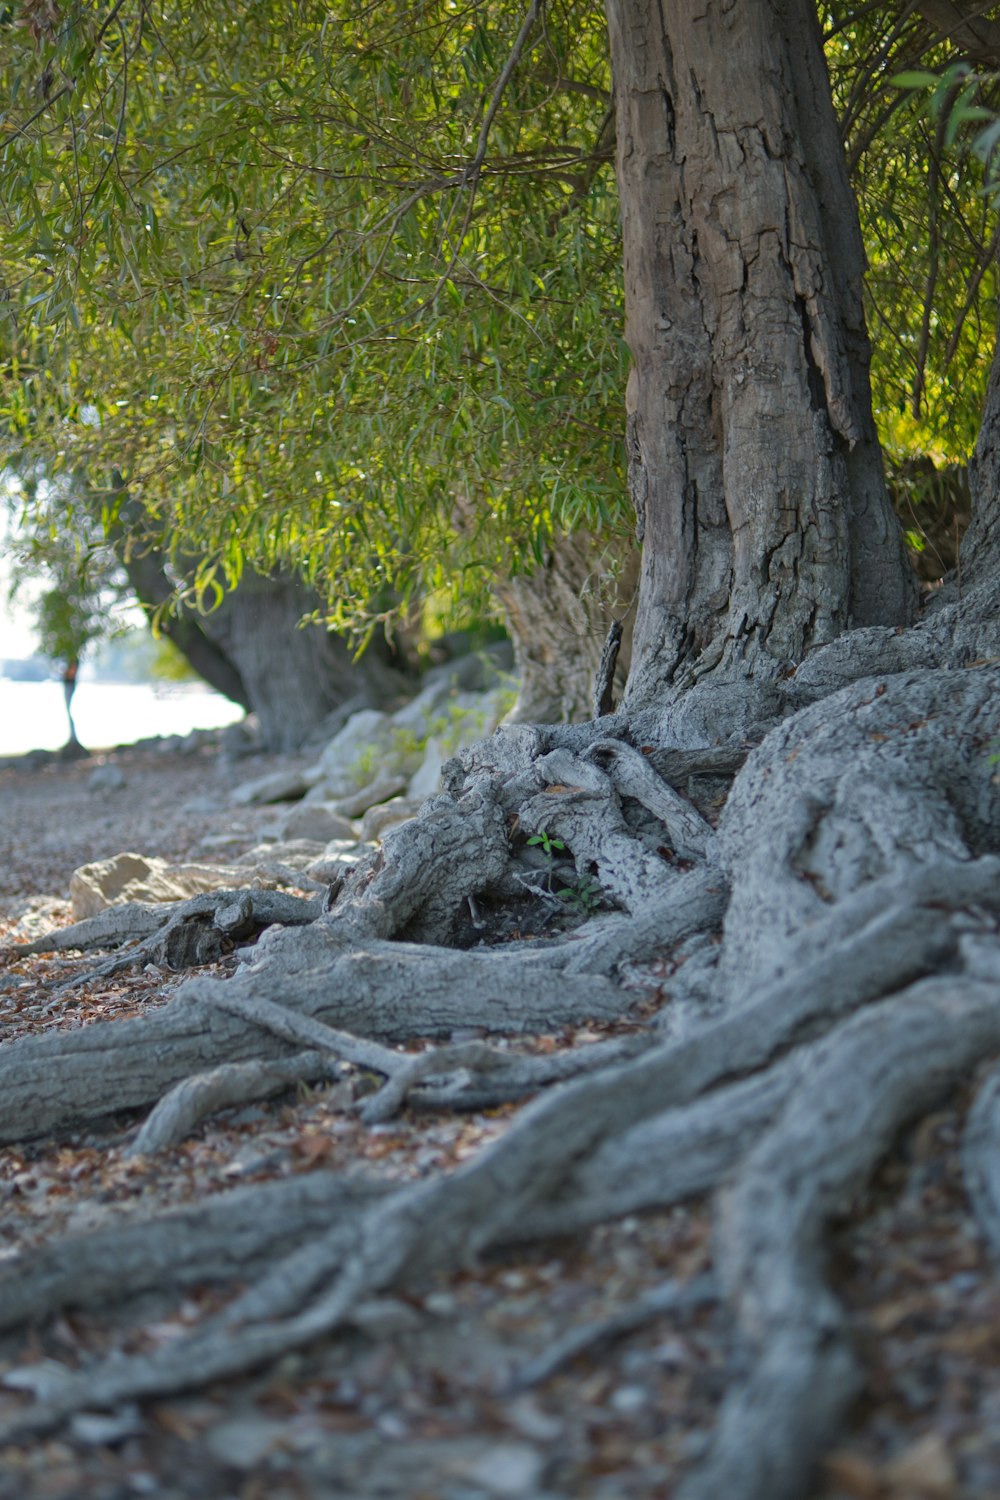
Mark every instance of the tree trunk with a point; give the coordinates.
(558, 618)
(251, 648)
(980, 552)
(152, 587)
(754, 466)
(294, 675)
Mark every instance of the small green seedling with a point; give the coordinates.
(549, 844)
(584, 898)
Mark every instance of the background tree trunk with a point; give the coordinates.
(251, 648)
(558, 618)
(754, 466)
(294, 675)
(980, 552)
(152, 587)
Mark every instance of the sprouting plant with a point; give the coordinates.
(549, 847)
(364, 765)
(548, 843)
(584, 897)
(408, 745)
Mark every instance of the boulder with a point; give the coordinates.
(277, 786)
(136, 877)
(427, 781)
(236, 740)
(316, 820)
(386, 815)
(291, 854)
(431, 704)
(337, 859)
(379, 790)
(106, 778)
(352, 755)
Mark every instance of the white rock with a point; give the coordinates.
(244, 1440)
(316, 820)
(386, 815)
(203, 805)
(45, 1378)
(348, 758)
(336, 860)
(505, 1469)
(107, 778)
(136, 877)
(628, 1399)
(427, 780)
(379, 790)
(471, 717)
(295, 853)
(278, 786)
(419, 714)
(102, 1429)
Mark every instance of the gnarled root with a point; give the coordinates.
(854, 880)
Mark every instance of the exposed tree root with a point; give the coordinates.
(226, 1237)
(176, 935)
(190, 1102)
(389, 991)
(671, 1297)
(850, 895)
(236, 912)
(981, 1159)
(869, 1080)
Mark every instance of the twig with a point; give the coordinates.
(604, 701)
(666, 1298)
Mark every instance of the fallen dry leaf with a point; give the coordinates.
(923, 1471)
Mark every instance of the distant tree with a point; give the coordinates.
(344, 290)
(79, 563)
(68, 576)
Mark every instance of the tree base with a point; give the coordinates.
(831, 959)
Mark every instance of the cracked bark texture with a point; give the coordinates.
(754, 467)
(980, 555)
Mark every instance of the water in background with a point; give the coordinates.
(33, 714)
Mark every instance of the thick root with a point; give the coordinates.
(192, 1101)
(869, 1079)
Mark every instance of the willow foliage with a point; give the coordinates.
(339, 285)
(306, 276)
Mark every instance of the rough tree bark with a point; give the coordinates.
(558, 618)
(831, 937)
(755, 471)
(294, 675)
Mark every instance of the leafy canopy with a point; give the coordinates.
(339, 285)
(308, 275)
(928, 225)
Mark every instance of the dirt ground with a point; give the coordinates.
(175, 805)
(424, 1407)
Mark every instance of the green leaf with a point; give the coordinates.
(915, 79)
